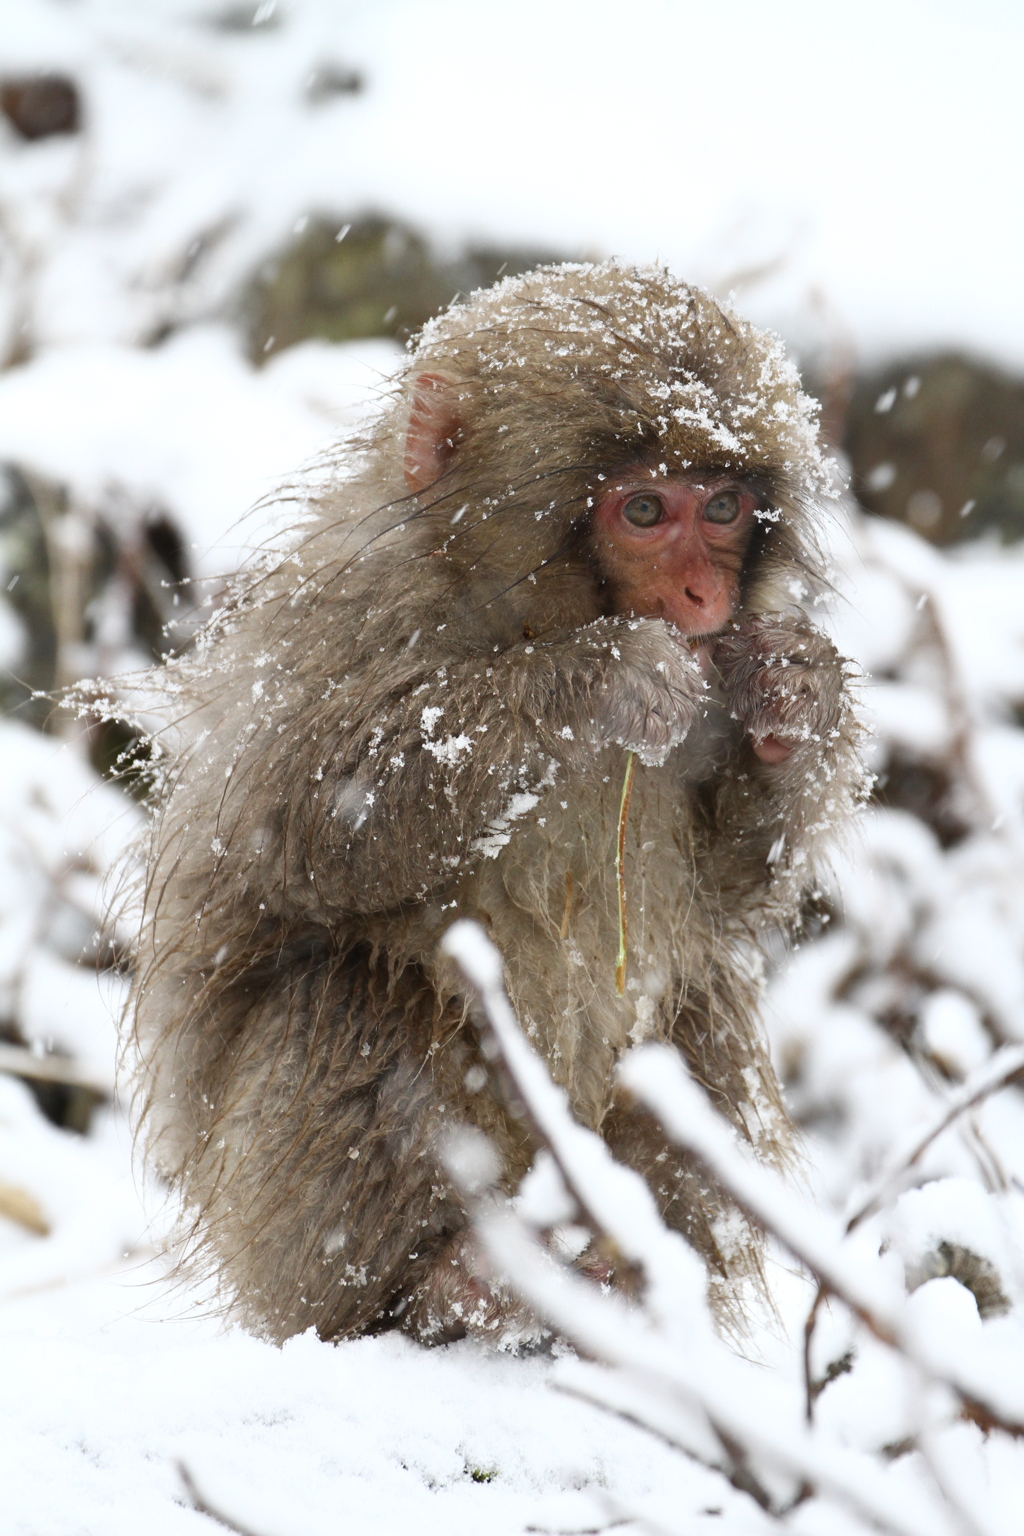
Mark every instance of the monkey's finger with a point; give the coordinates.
(772, 750)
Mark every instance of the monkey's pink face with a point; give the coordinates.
(673, 548)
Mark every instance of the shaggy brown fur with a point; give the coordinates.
(420, 712)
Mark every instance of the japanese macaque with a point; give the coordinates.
(580, 529)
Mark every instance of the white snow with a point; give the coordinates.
(189, 428)
(115, 1388)
(864, 160)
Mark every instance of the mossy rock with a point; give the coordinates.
(382, 278)
(938, 443)
(154, 571)
(25, 568)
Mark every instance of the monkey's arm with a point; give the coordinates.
(435, 779)
(786, 684)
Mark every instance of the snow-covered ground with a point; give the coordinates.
(868, 158)
(106, 1392)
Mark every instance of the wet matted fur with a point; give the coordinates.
(420, 711)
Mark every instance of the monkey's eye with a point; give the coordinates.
(643, 511)
(723, 507)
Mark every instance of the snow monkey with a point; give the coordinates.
(573, 541)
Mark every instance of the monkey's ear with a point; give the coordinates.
(435, 425)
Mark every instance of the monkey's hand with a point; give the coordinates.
(651, 690)
(784, 682)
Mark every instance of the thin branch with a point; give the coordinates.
(705, 1378)
(810, 1323)
(620, 870)
(204, 1507)
(715, 1395)
(989, 1078)
(19, 1061)
(18, 1205)
(657, 1076)
(543, 1104)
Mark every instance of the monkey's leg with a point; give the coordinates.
(715, 1031)
(683, 1193)
(316, 1180)
(460, 1296)
(690, 1203)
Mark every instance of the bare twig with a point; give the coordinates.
(203, 1505)
(658, 1078)
(993, 1075)
(717, 1403)
(21, 1207)
(620, 870)
(810, 1324)
(19, 1061)
(989, 1078)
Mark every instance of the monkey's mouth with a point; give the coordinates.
(701, 651)
(693, 634)
(697, 619)
(699, 637)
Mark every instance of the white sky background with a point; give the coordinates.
(876, 148)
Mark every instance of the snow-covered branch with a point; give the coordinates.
(667, 1366)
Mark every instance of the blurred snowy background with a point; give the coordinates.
(219, 222)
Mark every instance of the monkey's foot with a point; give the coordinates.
(457, 1301)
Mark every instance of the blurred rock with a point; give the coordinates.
(976, 1273)
(25, 577)
(39, 106)
(260, 15)
(330, 80)
(91, 606)
(373, 277)
(938, 443)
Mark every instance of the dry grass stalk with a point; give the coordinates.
(620, 871)
(21, 1207)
